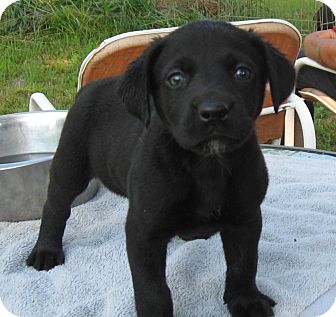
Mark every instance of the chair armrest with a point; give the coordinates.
(306, 61)
(320, 97)
(39, 102)
(298, 106)
(311, 93)
(295, 104)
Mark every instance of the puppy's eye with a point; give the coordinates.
(242, 72)
(176, 79)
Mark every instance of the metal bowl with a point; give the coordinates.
(28, 143)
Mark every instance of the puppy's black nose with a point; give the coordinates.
(209, 111)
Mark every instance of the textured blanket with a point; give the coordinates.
(297, 254)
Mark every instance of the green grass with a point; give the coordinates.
(43, 42)
(325, 124)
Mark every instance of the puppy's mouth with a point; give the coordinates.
(218, 145)
(211, 147)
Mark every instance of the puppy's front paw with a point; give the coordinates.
(257, 305)
(45, 259)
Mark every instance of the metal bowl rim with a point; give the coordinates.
(8, 166)
(27, 114)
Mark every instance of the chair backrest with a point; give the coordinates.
(112, 56)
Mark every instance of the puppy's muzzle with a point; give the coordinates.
(213, 111)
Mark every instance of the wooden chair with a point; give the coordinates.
(113, 55)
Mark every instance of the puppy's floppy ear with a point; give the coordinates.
(280, 73)
(136, 83)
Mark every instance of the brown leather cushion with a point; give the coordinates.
(321, 47)
(270, 127)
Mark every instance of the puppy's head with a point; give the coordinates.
(206, 82)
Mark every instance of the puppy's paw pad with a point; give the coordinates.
(44, 259)
(258, 305)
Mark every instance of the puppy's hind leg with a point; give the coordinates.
(69, 176)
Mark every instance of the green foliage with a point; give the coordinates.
(85, 18)
(325, 124)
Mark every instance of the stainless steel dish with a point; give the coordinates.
(28, 142)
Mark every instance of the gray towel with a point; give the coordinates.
(297, 262)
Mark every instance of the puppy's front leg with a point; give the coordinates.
(240, 243)
(147, 258)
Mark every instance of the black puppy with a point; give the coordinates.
(187, 157)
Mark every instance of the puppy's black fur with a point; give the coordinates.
(187, 157)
